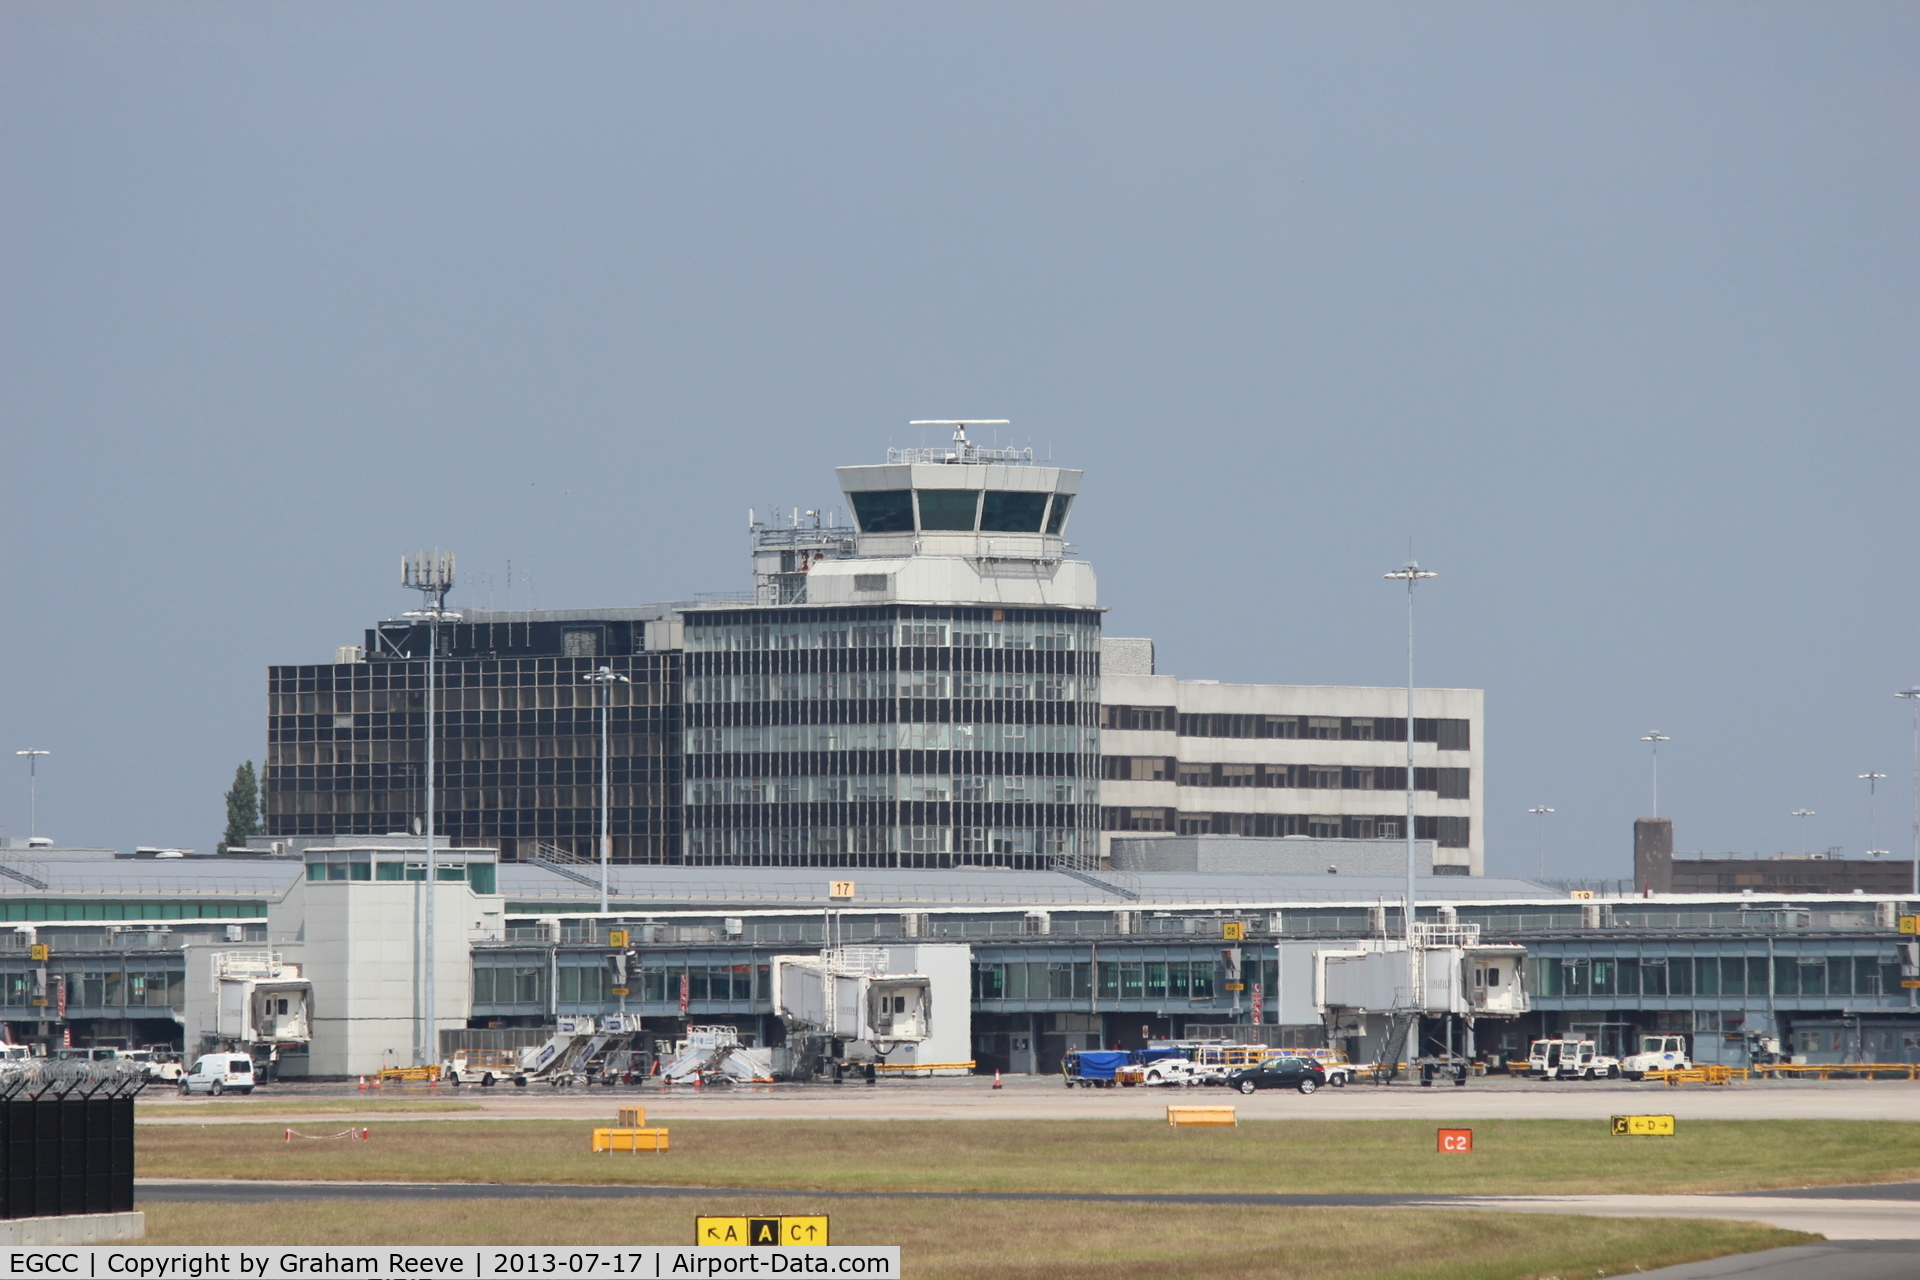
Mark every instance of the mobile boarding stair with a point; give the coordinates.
(714, 1055)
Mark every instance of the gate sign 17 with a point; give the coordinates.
(1643, 1127)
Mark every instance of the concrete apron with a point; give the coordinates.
(73, 1228)
(1834, 1219)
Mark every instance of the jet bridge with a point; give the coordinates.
(906, 1006)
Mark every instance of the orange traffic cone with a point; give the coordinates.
(363, 1084)
(996, 1078)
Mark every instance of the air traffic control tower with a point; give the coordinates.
(927, 698)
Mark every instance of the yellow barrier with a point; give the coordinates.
(1711, 1074)
(629, 1140)
(633, 1118)
(1827, 1070)
(410, 1075)
(1201, 1115)
(924, 1066)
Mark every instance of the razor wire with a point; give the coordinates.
(57, 1079)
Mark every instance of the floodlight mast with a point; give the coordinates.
(1410, 573)
(1873, 823)
(604, 679)
(33, 791)
(431, 574)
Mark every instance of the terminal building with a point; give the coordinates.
(914, 738)
(202, 952)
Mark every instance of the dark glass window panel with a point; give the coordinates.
(948, 508)
(1009, 512)
(884, 511)
(1057, 518)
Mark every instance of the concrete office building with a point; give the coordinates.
(1197, 757)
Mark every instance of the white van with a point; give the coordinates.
(215, 1073)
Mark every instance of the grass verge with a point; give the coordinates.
(998, 1241)
(294, 1107)
(1509, 1156)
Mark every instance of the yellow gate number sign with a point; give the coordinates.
(806, 1232)
(1910, 924)
(840, 888)
(1233, 930)
(38, 951)
(1643, 1127)
(617, 937)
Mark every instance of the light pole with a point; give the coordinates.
(605, 679)
(1410, 573)
(431, 574)
(1873, 827)
(1656, 738)
(33, 791)
(1542, 811)
(1913, 700)
(1803, 815)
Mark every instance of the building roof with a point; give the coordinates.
(796, 889)
(105, 876)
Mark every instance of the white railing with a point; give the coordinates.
(1446, 935)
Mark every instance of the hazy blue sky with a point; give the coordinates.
(1612, 307)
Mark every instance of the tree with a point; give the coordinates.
(243, 807)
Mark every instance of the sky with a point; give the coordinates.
(1610, 309)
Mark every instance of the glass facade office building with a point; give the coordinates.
(518, 743)
(892, 735)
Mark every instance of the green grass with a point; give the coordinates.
(294, 1107)
(1509, 1157)
(1001, 1241)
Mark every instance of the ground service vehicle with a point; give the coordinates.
(1093, 1068)
(1172, 1071)
(1657, 1053)
(215, 1073)
(1569, 1060)
(1303, 1074)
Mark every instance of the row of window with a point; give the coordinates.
(734, 739)
(846, 629)
(1448, 784)
(995, 686)
(1719, 976)
(1447, 735)
(545, 697)
(455, 673)
(527, 984)
(809, 764)
(479, 874)
(281, 801)
(651, 835)
(94, 909)
(960, 511)
(850, 662)
(779, 846)
(894, 711)
(100, 989)
(452, 747)
(471, 773)
(1071, 980)
(1447, 832)
(1004, 788)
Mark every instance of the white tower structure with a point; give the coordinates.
(958, 524)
